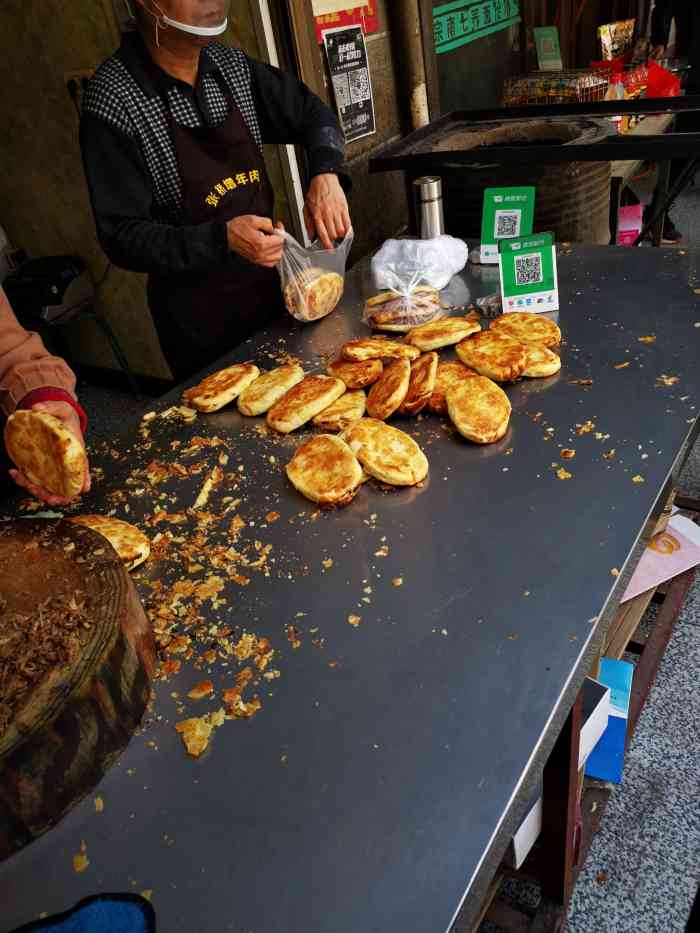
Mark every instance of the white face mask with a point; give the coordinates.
(186, 27)
(196, 30)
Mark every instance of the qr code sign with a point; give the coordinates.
(507, 224)
(528, 269)
(359, 85)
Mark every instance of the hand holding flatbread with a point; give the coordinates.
(48, 451)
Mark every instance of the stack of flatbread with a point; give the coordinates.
(46, 452)
(313, 293)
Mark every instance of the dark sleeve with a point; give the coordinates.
(121, 195)
(289, 113)
(661, 22)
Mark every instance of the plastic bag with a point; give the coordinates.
(312, 279)
(404, 305)
(434, 261)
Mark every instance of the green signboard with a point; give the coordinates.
(528, 269)
(548, 51)
(462, 21)
(507, 213)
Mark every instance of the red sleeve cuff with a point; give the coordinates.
(46, 394)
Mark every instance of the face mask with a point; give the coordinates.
(196, 30)
(185, 27)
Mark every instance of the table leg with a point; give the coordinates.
(560, 799)
(660, 195)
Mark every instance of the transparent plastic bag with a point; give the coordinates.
(404, 305)
(436, 261)
(312, 279)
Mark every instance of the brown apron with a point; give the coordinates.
(200, 316)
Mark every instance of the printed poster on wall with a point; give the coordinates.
(352, 85)
(462, 21)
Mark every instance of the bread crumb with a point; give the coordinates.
(99, 804)
(397, 581)
(354, 620)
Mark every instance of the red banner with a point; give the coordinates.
(365, 16)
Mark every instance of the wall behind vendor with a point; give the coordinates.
(44, 205)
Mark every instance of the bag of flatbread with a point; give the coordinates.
(312, 278)
(408, 303)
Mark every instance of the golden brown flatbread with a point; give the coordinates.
(269, 388)
(495, 355)
(304, 400)
(131, 544)
(421, 384)
(377, 348)
(220, 388)
(48, 454)
(356, 375)
(389, 391)
(541, 362)
(443, 333)
(313, 293)
(527, 327)
(386, 453)
(325, 470)
(449, 374)
(342, 412)
(479, 409)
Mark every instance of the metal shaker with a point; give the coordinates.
(427, 192)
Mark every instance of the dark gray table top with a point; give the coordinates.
(372, 794)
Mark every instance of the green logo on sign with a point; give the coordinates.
(455, 24)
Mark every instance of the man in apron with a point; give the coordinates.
(171, 134)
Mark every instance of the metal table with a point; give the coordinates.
(380, 793)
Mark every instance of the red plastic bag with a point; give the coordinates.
(662, 83)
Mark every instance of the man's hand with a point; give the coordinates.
(69, 417)
(256, 239)
(326, 210)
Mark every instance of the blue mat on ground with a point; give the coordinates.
(116, 913)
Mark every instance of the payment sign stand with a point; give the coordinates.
(528, 270)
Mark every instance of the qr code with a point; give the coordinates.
(359, 85)
(528, 269)
(507, 224)
(342, 91)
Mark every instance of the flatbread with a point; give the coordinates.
(313, 293)
(394, 312)
(342, 412)
(528, 328)
(541, 362)
(421, 384)
(448, 374)
(497, 356)
(325, 470)
(304, 400)
(269, 388)
(479, 409)
(386, 453)
(222, 387)
(442, 333)
(378, 348)
(356, 375)
(131, 544)
(389, 391)
(48, 454)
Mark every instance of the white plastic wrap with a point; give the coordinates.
(312, 279)
(434, 261)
